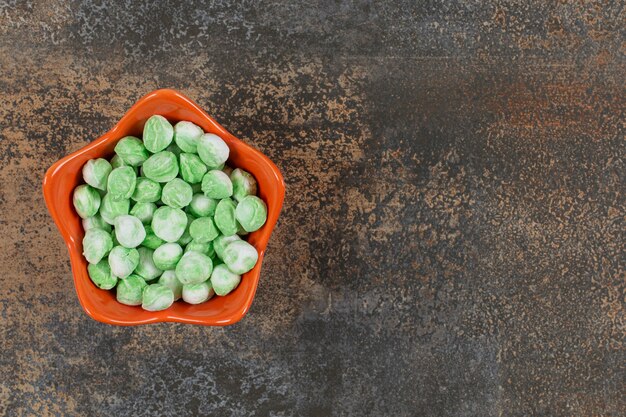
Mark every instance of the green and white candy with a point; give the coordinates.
(192, 169)
(130, 290)
(146, 191)
(202, 206)
(144, 212)
(157, 297)
(131, 151)
(244, 184)
(100, 274)
(176, 193)
(86, 201)
(203, 230)
(121, 183)
(216, 184)
(96, 172)
(96, 245)
(169, 223)
(182, 231)
(161, 167)
(110, 208)
(225, 217)
(167, 256)
(168, 278)
(157, 133)
(194, 268)
(251, 213)
(186, 136)
(240, 256)
(197, 293)
(129, 231)
(224, 280)
(123, 261)
(212, 150)
(146, 267)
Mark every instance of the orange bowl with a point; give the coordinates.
(62, 177)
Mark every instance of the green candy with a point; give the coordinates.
(240, 256)
(121, 183)
(169, 223)
(100, 274)
(157, 133)
(129, 231)
(96, 245)
(212, 150)
(224, 280)
(123, 261)
(130, 290)
(96, 172)
(220, 243)
(146, 267)
(197, 293)
(203, 230)
(86, 201)
(157, 297)
(110, 209)
(225, 217)
(151, 241)
(168, 278)
(244, 184)
(251, 213)
(132, 151)
(167, 256)
(202, 206)
(176, 193)
(194, 268)
(96, 222)
(186, 136)
(192, 169)
(216, 184)
(146, 191)
(161, 167)
(203, 248)
(144, 212)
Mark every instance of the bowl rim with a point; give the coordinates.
(113, 135)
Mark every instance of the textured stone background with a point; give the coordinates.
(452, 241)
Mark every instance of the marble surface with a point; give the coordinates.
(452, 239)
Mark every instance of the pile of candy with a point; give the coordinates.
(163, 218)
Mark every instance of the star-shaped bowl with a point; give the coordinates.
(62, 177)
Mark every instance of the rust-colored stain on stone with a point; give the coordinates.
(452, 239)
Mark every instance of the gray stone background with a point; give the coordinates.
(452, 239)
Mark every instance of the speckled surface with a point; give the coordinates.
(452, 240)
